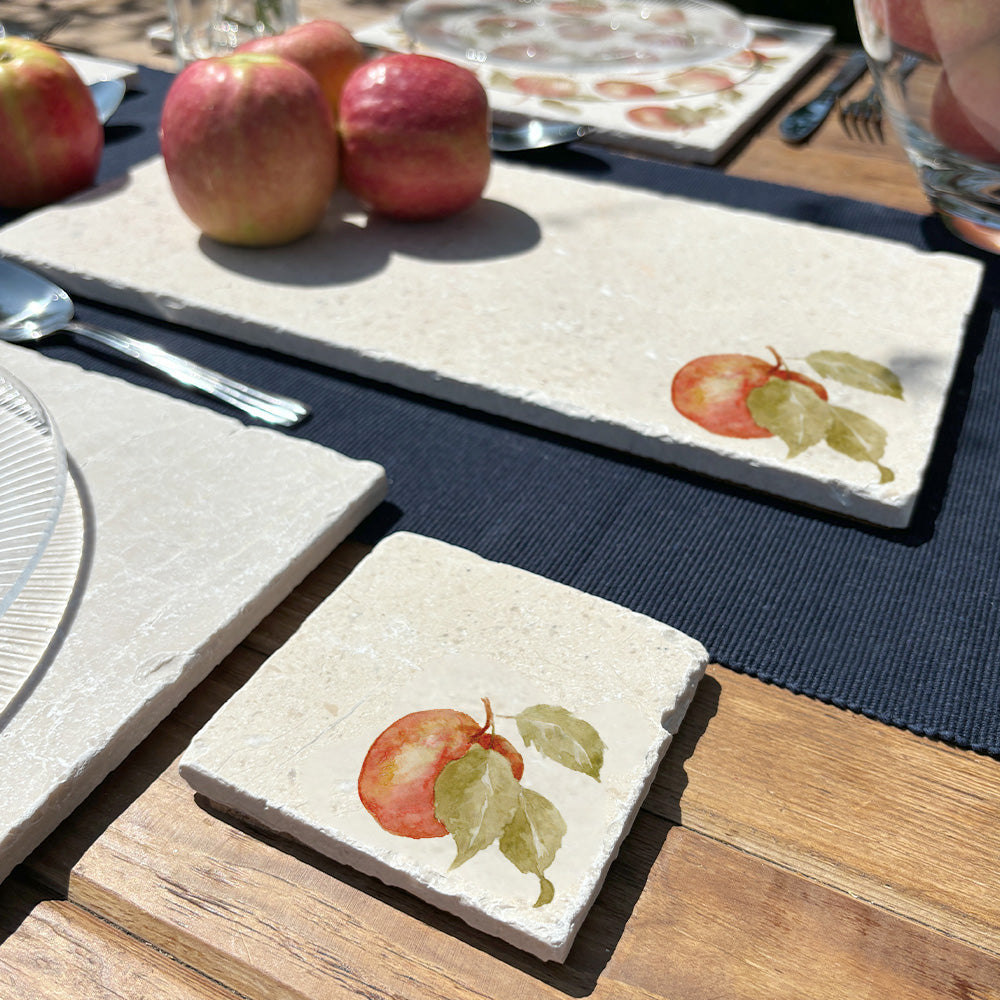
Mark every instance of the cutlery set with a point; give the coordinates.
(802, 123)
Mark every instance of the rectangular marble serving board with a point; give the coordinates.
(191, 528)
(572, 304)
(473, 733)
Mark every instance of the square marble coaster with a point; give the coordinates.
(575, 305)
(181, 530)
(367, 736)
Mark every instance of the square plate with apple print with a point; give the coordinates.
(463, 729)
(695, 113)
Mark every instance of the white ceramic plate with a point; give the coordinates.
(32, 484)
(578, 35)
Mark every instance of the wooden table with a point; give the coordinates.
(787, 849)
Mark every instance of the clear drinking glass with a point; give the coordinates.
(214, 27)
(937, 64)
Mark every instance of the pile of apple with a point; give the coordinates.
(963, 36)
(256, 142)
(51, 139)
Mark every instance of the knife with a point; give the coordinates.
(798, 125)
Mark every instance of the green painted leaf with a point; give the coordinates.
(546, 892)
(792, 412)
(856, 372)
(562, 737)
(858, 437)
(534, 835)
(475, 797)
(532, 839)
(501, 81)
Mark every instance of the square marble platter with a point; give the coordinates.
(572, 304)
(697, 114)
(341, 739)
(180, 530)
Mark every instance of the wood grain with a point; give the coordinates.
(774, 843)
(900, 821)
(60, 951)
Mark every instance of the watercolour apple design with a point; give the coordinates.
(402, 766)
(438, 772)
(741, 396)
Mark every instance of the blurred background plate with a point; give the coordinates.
(578, 35)
(32, 484)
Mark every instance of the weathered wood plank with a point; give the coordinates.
(904, 822)
(50, 949)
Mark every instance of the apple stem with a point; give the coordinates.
(489, 722)
(779, 361)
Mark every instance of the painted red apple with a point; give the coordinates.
(397, 778)
(553, 87)
(325, 48)
(415, 136)
(51, 140)
(712, 391)
(250, 148)
(623, 90)
(965, 109)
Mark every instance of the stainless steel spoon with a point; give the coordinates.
(32, 308)
(535, 134)
(107, 95)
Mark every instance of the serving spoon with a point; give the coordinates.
(535, 134)
(107, 95)
(32, 308)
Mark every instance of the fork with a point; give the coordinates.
(862, 118)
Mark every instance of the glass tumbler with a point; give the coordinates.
(214, 27)
(937, 66)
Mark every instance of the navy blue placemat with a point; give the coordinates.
(899, 625)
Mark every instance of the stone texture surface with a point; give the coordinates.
(421, 625)
(195, 527)
(616, 289)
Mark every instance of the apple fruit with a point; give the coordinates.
(936, 28)
(965, 107)
(250, 148)
(415, 136)
(905, 22)
(396, 782)
(712, 391)
(324, 48)
(50, 135)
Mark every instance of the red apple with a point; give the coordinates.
(415, 136)
(936, 28)
(397, 778)
(965, 110)
(712, 391)
(324, 48)
(250, 148)
(50, 137)
(905, 23)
